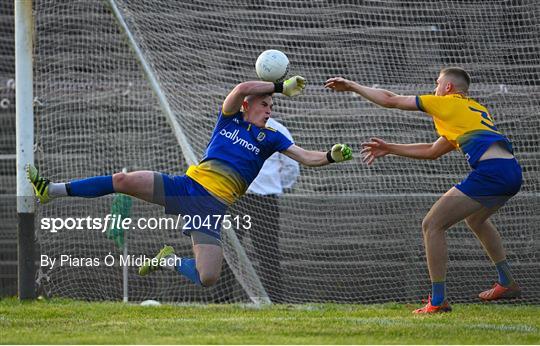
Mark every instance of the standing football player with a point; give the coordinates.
(496, 175)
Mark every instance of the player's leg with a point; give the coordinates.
(490, 238)
(203, 212)
(451, 208)
(495, 182)
(203, 270)
(138, 184)
(209, 260)
(486, 232)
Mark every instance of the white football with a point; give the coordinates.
(272, 65)
(150, 302)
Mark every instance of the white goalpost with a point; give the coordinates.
(25, 147)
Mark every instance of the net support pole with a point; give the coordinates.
(149, 73)
(191, 158)
(125, 268)
(254, 288)
(24, 28)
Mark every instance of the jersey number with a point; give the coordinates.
(488, 120)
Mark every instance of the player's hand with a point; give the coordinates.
(374, 149)
(341, 152)
(339, 84)
(294, 86)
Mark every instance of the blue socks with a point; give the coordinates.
(438, 293)
(505, 277)
(91, 187)
(188, 269)
(438, 289)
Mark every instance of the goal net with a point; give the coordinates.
(8, 203)
(343, 233)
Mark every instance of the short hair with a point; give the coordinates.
(461, 78)
(250, 99)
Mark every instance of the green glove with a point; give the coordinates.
(294, 86)
(339, 153)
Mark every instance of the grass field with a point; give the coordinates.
(65, 321)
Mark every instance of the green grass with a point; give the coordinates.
(61, 321)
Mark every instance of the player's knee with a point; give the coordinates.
(120, 182)
(471, 221)
(208, 278)
(431, 226)
(426, 224)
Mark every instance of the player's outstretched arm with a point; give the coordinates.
(424, 151)
(381, 97)
(233, 102)
(338, 153)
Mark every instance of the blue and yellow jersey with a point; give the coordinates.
(463, 122)
(235, 155)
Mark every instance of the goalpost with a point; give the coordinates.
(25, 148)
(346, 233)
